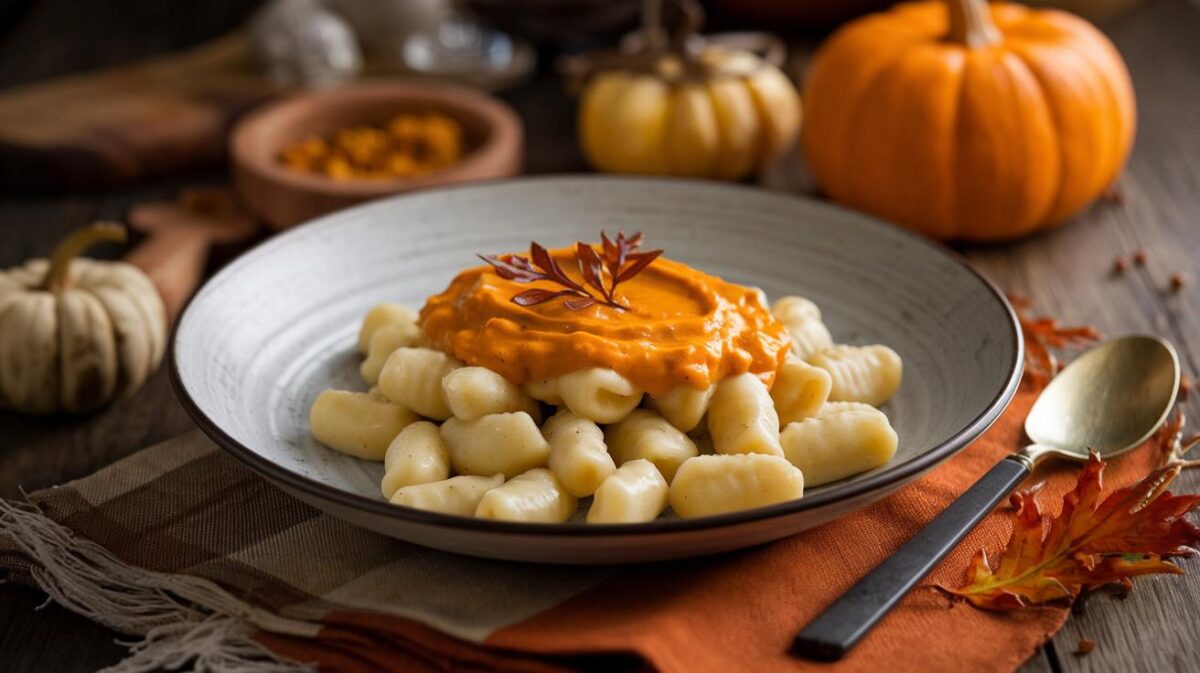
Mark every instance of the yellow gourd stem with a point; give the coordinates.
(75, 243)
(971, 23)
(653, 39)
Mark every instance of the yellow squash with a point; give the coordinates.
(710, 112)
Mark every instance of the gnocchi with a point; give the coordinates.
(544, 390)
(507, 444)
(636, 492)
(835, 446)
(601, 395)
(719, 484)
(416, 456)
(379, 316)
(578, 455)
(384, 342)
(802, 318)
(684, 406)
(644, 434)
(457, 495)
(357, 424)
(742, 417)
(533, 496)
(800, 390)
(413, 377)
(867, 374)
(473, 392)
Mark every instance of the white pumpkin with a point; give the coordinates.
(77, 333)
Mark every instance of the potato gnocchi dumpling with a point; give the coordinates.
(644, 434)
(800, 390)
(473, 392)
(357, 424)
(578, 455)
(384, 342)
(742, 417)
(536, 496)
(380, 315)
(831, 408)
(507, 444)
(867, 374)
(635, 493)
(544, 390)
(684, 406)
(602, 395)
(835, 446)
(802, 318)
(451, 433)
(416, 456)
(457, 495)
(413, 377)
(719, 484)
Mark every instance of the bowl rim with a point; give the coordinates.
(504, 135)
(894, 475)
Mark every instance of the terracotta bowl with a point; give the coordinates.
(283, 197)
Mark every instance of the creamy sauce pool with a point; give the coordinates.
(682, 327)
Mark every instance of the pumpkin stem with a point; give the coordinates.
(75, 243)
(971, 23)
(668, 25)
(654, 37)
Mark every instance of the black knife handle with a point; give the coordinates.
(836, 630)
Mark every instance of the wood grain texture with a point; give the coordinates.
(1068, 273)
(1065, 271)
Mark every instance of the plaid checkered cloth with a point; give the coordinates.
(182, 545)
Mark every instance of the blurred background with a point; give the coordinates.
(205, 127)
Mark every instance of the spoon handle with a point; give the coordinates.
(835, 631)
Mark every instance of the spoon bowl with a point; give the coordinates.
(1110, 400)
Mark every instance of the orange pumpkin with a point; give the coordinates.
(968, 121)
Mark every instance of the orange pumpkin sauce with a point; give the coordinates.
(682, 327)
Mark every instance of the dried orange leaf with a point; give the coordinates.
(1096, 540)
(1043, 334)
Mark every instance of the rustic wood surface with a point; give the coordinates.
(1066, 272)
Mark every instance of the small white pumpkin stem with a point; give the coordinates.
(971, 23)
(75, 243)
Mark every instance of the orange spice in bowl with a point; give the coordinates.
(409, 145)
(491, 140)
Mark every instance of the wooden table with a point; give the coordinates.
(1066, 272)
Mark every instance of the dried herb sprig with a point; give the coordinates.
(619, 260)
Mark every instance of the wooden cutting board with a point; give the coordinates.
(121, 124)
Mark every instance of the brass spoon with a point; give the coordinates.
(1110, 399)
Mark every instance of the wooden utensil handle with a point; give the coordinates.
(836, 630)
(174, 260)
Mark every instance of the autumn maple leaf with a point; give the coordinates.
(1043, 334)
(1170, 445)
(1096, 540)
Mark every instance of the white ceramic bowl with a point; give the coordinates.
(277, 326)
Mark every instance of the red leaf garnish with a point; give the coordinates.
(641, 261)
(541, 266)
(1098, 539)
(578, 303)
(538, 296)
(591, 267)
(1042, 334)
